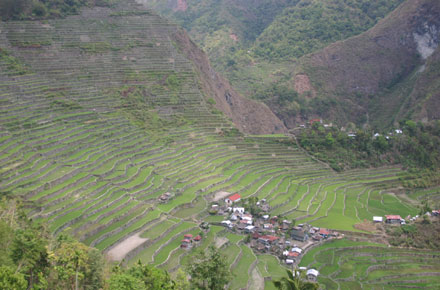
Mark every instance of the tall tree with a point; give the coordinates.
(209, 270)
(30, 254)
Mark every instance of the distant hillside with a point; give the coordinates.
(384, 75)
(256, 44)
(312, 24)
(43, 9)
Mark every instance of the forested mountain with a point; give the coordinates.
(281, 65)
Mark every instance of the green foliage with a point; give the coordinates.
(172, 82)
(96, 47)
(122, 281)
(420, 235)
(413, 149)
(32, 259)
(42, 9)
(75, 265)
(28, 251)
(11, 280)
(12, 64)
(209, 270)
(295, 282)
(313, 24)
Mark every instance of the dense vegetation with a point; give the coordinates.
(419, 235)
(31, 258)
(313, 24)
(415, 147)
(40, 9)
(244, 38)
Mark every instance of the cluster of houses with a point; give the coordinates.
(350, 134)
(271, 234)
(189, 241)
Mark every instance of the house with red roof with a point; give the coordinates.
(315, 121)
(324, 232)
(267, 239)
(198, 238)
(393, 219)
(185, 243)
(233, 198)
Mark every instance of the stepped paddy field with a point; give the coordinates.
(101, 114)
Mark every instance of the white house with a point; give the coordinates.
(378, 219)
(239, 210)
(296, 249)
(312, 274)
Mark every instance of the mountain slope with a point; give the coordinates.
(368, 77)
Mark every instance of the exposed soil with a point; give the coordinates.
(181, 5)
(302, 85)
(257, 282)
(234, 37)
(220, 241)
(366, 226)
(118, 252)
(221, 195)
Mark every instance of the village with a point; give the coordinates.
(275, 235)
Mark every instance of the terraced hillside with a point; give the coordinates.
(353, 265)
(101, 114)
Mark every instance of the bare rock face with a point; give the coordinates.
(248, 115)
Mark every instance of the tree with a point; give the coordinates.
(209, 270)
(152, 277)
(122, 281)
(295, 282)
(30, 254)
(11, 280)
(75, 263)
(182, 281)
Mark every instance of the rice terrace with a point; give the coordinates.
(108, 134)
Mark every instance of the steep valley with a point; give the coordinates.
(115, 129)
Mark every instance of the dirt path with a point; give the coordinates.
(118, 253)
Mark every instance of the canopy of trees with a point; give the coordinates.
(415, 147)
(40, 9)
(313, 24)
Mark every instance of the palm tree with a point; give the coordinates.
(295, 282)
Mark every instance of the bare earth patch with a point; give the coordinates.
(366, 226)
(257, 282)
(221, 195)
(220, 241)
(118, 253)
(303, 85)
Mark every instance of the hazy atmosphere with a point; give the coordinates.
(219, 144)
